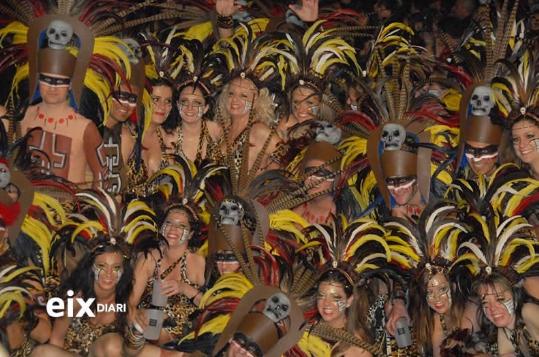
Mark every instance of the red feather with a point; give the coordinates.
(525, 203)
(9, 213)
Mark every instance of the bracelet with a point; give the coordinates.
(225, 22)
(134, 339)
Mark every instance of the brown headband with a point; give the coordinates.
(324, 152)
(399, 163)
(482, 130)
(59, 62)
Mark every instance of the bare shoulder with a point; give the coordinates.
(261, 131)
(2, 110)
(214, 129)
(530, 313)
(31, 112)
(147, 261)
(197, 259)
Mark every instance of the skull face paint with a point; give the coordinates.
(277, 307)
(231, 212)
(59, 34)
(329, 132)
(393, 136)
(482, 101)
(5, 175)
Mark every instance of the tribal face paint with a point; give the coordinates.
(332, 302)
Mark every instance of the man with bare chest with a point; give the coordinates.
(63, 142)
(67, 142)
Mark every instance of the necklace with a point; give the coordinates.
(444, 326)
(178, 146)
(48, 120)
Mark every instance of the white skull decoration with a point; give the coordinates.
(326, 131)
(277, 307)
(59, 34)
(231, 212)
(5, 175)
(133, 52)
(482, 100)
(393, 136)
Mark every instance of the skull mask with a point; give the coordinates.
(393, 136)
(59, 34)
(231, 212)
(326, 131)
(5, 175)
(133, 50)
(277, 307)
(482, 100)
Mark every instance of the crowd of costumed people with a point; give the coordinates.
(252, 178)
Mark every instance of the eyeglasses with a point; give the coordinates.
(125, 97)
(172, 225)
(435, 295)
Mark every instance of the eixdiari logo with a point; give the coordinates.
(56, 307)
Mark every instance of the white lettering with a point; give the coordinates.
(85, 307)
(55, 307)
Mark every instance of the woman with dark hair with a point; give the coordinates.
(439, 308)
(104, 274)
(179, 272)
(500, 262)
(158, 138)
(349, 299)
(515, 316)
(196, 136)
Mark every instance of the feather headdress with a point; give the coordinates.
(483, 109)
(316, 55)
(520, 88)
(508, 188)
(500, 244)
(228, 306)
(431, 246)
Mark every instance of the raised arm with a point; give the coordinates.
(225, 10)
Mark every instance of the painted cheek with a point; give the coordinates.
(119, 275)
(248, 106)
(97, 272)
(510, 306)
(341, 305)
